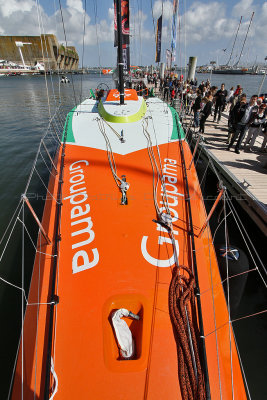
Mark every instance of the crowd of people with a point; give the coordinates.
(247, 118)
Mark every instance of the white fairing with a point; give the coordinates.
(86, 128)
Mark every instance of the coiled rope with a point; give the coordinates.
(182, 313)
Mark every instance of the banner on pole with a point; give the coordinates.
(126, 57)
(158, 39)
(125, 23)
(174, 28)
(168, 58)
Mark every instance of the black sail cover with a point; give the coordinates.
(125, 23)
(158, 39)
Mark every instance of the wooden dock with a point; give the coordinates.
(244, 174)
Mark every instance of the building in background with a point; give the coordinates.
(44, 49)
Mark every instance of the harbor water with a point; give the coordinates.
(24, 118)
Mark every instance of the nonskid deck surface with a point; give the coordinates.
(115, 256)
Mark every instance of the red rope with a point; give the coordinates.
(184, 320)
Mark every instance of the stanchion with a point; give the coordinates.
(195, 150)
(211, 212)
(25, 199)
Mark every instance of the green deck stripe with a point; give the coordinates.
(122, 119)
(174, 129)
(68, 124)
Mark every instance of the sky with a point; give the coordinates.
(206, 28)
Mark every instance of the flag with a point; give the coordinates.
(158, 39)
(174, 28)
(168, 58)
(126, 57)
(125, 23)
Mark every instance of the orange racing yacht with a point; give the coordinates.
(126, 295)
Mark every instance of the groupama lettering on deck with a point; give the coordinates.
(86, 257)
(172, 193)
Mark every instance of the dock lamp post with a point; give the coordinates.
(20, 45)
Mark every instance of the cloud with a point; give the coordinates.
(243, 7)
(7, 8)
(206, 25)
(76, 5)
(167, 9)
(19, 17)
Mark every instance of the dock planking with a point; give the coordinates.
(249, 168)
(244, 174)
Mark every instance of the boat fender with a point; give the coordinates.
(123, 333)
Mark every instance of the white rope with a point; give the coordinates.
(22, 307)
(243, 372)
(236, 218)
(228, 292)
(37, 315)
(50, 171)
(113, 130)
(46, 186)
(35, 248)
(55, 388)
(36, 156)
(153, 162)
(15, 222)
(109, 153)
(13, 216)
(237, 319)
(56, 291)
(165, 199)
(230, 277)
(214, 315)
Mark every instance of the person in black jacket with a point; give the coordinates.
(205, 113)
(241, 115)
(256, 124)
(196, 108)
(220, 102)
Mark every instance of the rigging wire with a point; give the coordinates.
(47, 55)
(97, 36)
(42, 47)
(185, 39)
(234, 41)
(84, 17)
(45, 186)
(65, 36)
(140, 14)
(151, 6)
(228, 291)
(59, 86)
(13, 216)
(241, 53)
(239, 225)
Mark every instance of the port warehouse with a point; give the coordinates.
(56, 56)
